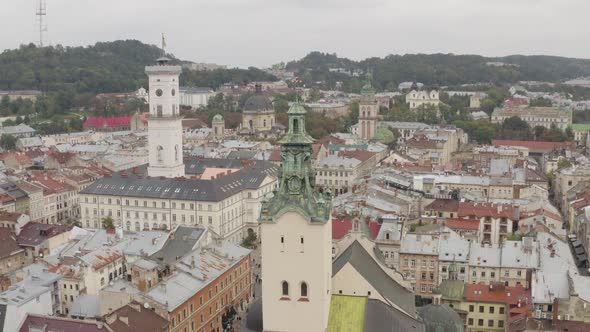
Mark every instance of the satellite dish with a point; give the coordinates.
(146, 305)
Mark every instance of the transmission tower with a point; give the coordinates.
(41, 13)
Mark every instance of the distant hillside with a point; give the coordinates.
(438, 69)
(104, 67)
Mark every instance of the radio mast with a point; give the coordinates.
(41, 13)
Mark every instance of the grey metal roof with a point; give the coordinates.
(179, 244)
(381, 317)
(258, 102)
(370, 270)
(215, 190)
(441, 318)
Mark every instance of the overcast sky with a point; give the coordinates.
(263, 32)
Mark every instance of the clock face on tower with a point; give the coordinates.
(294, 184)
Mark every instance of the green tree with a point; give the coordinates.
(8, 142)
(108, 223)
(564, 163)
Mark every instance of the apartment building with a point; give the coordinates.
(418, 259)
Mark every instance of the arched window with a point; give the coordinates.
(155, 226)
(128, 225)
(387, 236)
(137, 229)
(159, 149)
(303, 289)
(295, 125)
(146, 226)
(285, 286)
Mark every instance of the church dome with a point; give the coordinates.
(441, 318)
(258, 102)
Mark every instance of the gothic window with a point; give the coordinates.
(159, 150)
(285, 288)
(303, 289)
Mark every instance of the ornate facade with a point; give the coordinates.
(296, 232)
(368, 111)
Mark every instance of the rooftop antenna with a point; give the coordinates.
(41, 13)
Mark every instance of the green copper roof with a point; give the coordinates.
(296, 189)
(451, 289)
(347, 313)
(581, 126)
(218, 118)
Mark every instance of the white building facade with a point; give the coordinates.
(165, 123)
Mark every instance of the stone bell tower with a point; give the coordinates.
(165, 123)
(296, 237)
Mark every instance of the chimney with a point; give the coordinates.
(126, 319)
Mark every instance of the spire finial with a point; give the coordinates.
(163, 45)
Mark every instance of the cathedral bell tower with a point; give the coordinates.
(368, 111)
(164, 123)
(296, 237)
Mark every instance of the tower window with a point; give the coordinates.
(285, 288)
(295, 126)
(282, 239)
(301, 244)
(303, 289)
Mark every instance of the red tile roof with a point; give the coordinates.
(96, 122)
(134, 317)
(361, 155)
(46, 323)
(374, 228)
(340, 227)
(462, 224)
(8, 244)
(443, 205)
(498, 293)
(276, 155)
(536, 146)
(326, 140)
(480, 210)
(34, 233)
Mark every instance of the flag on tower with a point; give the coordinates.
(163, 41)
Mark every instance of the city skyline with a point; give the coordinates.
(261, 33)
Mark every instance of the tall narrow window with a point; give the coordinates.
(285, 287)
(303, 289)
(301, 244)
(282, 243)
(295, 126)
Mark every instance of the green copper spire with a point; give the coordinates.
(296, 189)
(367, 91)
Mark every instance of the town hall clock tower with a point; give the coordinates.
(164, 123)
(296, 236)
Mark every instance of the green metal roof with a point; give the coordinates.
(581, 126)
(347, 313)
